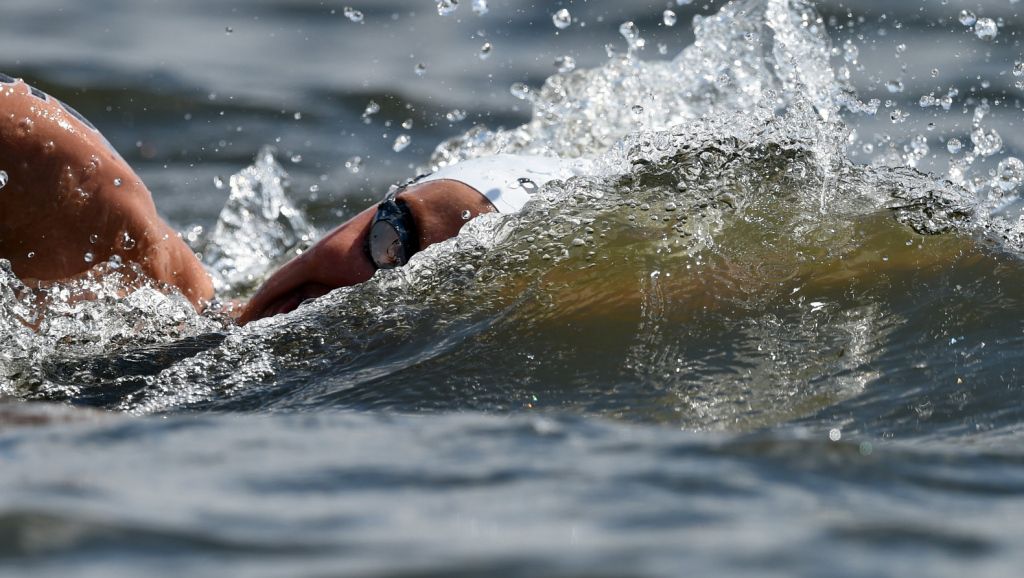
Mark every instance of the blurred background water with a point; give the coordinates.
(875, 433)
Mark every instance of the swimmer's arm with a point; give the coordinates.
(439, 210)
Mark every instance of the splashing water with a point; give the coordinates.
(256, 227)
(717, 206)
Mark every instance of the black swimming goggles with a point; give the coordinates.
(393, 238)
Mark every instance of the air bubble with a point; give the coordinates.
(401, 142)
(898, 116)
(986, 29)
(669, 18)
(353, 14)
(954, 146)
(485, 51)
(562, 19)
(446, 7)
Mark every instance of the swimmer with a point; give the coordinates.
(72, 202)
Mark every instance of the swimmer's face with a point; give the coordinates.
(439, 210)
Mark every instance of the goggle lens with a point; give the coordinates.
(386, 246)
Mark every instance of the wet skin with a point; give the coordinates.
(70, 194)
(340, 258)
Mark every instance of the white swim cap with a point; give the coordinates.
(508, 181)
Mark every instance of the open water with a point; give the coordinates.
(776, 329)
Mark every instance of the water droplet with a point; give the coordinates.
(420, 69)
(466, 215)
(669, 18)
(850, 52)
(455, 115)
(480, 7)
(662, 48)
(901, 48)
(218, 182)
(228, 30)
(297, 116)
(89, 257)
(485, 51)
(631, 33)
(127, 242)
(954, 146)
(986, 143)
(446, 7)
(835, 434)
(296, 158)
(637, 110)
(898, 116)
(894, 86)
(93, 238)
(562, 19)
(371, 109)
(1018, 69)
(520, 90)
(986, 29)
(31, 254)
(353, 14)
(928, 100)
(565, 64)
(683, 2)
(3, 179)
(118, 182)
(407, 124)
(967, 18)
(354, 164)
(401, 142)
(670, 207)
(1009, 174)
